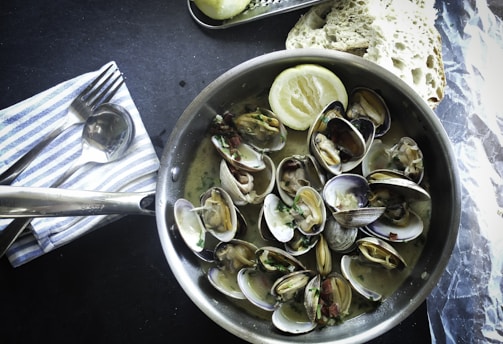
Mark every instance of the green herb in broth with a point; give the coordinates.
(204, 173)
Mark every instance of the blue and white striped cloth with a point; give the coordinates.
(28, 122)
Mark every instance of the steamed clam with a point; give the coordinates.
(231, 257)
(347, 196)
(367, 103)
(404, 157)
(336, 143)
(296, 171)
(399, 221)
(248, 187)
(375, 254)
(261, 130)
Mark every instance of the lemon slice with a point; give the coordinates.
(298, 94)
(221, 9)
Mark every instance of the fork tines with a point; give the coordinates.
(102, 89)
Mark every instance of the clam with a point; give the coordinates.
(380, 252)
(348, 270)
(404, 157)
(191, 228)
(323, 257)
(218, 214)
(225, 282)
(339, 238)
(308, 211)
(273, 259)
(301, 243)
(261, 129)
(256, 284)
(234, 255)
(247, 187)
(377, 259)
(241, 156)
(290, 317)
(399, 222)
(288, 286)
(347, 197)
(367, 103)
(296, 171)
(231, 257)
(312, 298)
(335, 299)
(278, 220)
(337, 144)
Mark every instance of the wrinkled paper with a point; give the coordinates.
(466, 306)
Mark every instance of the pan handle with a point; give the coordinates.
(19, 201)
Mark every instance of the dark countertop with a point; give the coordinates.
(114, 284)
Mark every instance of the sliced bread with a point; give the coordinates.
(399, 35)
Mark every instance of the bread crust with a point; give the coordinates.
(399, 35)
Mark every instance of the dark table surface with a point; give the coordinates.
(114, 284)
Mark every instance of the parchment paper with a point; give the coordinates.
(467, 304)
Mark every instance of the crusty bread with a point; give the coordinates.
(399, 35)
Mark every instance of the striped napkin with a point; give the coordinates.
(28, 122)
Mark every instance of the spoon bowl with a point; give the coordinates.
(106, 136)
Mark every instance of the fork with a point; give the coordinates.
(99, 91)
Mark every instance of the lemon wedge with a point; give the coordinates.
(298, 94)
(221, 9)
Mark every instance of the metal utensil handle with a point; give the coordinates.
(16, 202)
(25, 203)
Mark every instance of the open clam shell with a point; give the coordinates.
(278, 220)
(334, 141)
(189, 225)
(367, 103)
(243, 156)
(378, 251)
(261, 129)
(218, 214)
(348, 271)
(288, 286)
(256, 286)
(248, 187)
(296, 171)
(347, 197)
(308, 210)
(290, 317)
(225, 282)
(404, 157)
(273, 259)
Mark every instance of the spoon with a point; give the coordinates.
(106, 136)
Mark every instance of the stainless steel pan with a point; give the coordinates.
(419, 121)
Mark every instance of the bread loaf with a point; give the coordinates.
(399, 35)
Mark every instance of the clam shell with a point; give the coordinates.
(230, 211)
(273, 259)
(367, 103)
(290, 317)
(256, 287)
(358, 286)
(189, 225)
(225, 282)
(300, 170)
(261, 186)
(278, 219)
(262, 143)
(245, 157)
(348, 143)
(393, 233)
